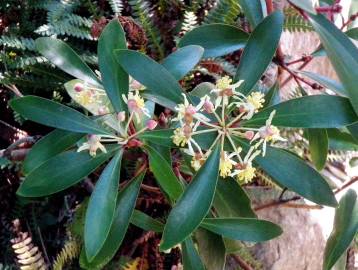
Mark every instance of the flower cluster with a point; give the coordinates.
(124, 128)
(225, 116)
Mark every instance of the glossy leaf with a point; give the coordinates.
(65, 58)
(61, 172)
(342, 53)
(163, 173)
(125, 205)
(115, 80)
(159, 137)
(211, 249)
(151, 74)
(53, 114)
(341, 141)
(333, 85)
(231, 200)
(352, 33)
(261, 46)
(52, 144)
(191, 258)
(145, 222)
(253, 11)
(223, 39)
(309, 112)
(101, 207)
(345, 228)
(273, 96)
(244, 229)
(194, 203)
(203, 89)
(318, 146)
(183, 60)
(306, 5)
(292, 172)
(353, 129)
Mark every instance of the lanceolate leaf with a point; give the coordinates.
(154, 76)
(231, 200)
(61, 172)
(52, 144)
(159, 137)
(345, 228)
(62, 55)
(273, 96)
(211, 249)
(253, 11)
(194, 203)
(342, 141)
(183, 60)
(217, 39)
(146, 222)
(244, 229)
(114, 78)
(292, 172)
(164, 174)
(53, 114)
(125, 204)
(309, 112)
(342, 53)
(353, 129)
(261, 46)
(318, 145)
(191, 258)
(306, 5)
(101, 207)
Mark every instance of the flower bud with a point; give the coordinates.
(151, 124)
(136, 85)
(249, 135)
(121, 116)
(132, 105)
(134, 143)
(208, 106)
(78, 87)
(190, 109)
(102, 110)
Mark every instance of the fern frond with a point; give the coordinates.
(116, 6)
(294, 22)
(225, 11)
(190, 22)
(64, 28)
(20, 43)
(70, 251)
(143, 15)
(266, 180)
(23, 62)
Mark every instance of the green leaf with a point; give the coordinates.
(194, 203)
(101, 207)
(52, 144)
(125, 205)
(318, 146)
(253, 11)
(158, 136)
(292, 172)
(333, 85)
(211, 249)
(352, 33)
(273, 96)
(115, 80)
(341, 141)
(92, 107)
(223, 39)
(344, 230)
(353, 129)
(61, 172)
(53, 114)
(183, 60)
(154, 76)
(164, 174)
(191, 258)
(309, 112)
(342, 53)
(62, 55)
(146, 222)
(231, 200)
(244, 229)
(306, 5)
(203, 89)
(261, 46)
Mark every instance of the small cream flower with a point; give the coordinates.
(188, 112)
(197, 161)
(179, 137)
(250, 104)
(256, 99)
(93, 144)
(136, 104)
(244, 171)
(226, 164)
(246, 175)
(85, 97)
(224, 90)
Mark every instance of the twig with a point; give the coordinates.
(242, 263)
(14, 89)
(276, 203)
(349, 183)
(43, 245)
